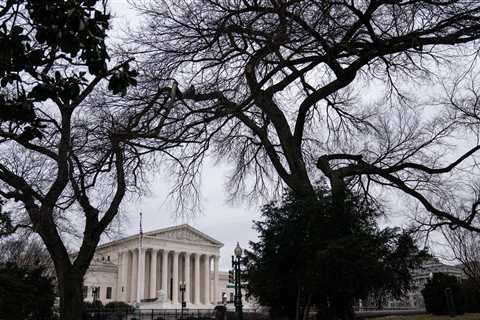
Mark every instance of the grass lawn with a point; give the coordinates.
(467, 316)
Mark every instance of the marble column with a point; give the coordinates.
(206, 281)
(186, 277)
(128, 277)
(175, 278)
(215, 279)
(123, 278)
(118, 291)
(125, 272)
(134, 276)
(153, 274)
(196, 297)
(141, 276)
(165, 272)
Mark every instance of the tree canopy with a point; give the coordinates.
(57, 149)
(296, 90)
(304, 261)
(39, 37)
(66, 167)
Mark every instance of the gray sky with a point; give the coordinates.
(217, 218)
(222, 221)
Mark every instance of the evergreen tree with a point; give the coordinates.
(435, 296)
(25, 293)
(303, 260)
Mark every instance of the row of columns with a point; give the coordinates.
(133, 282)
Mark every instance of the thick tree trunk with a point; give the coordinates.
(306, 313)
(299, 305)
(344, 308)
(71, 296)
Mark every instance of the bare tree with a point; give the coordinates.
(26, 251)
(280, 85)
(287, 76)
(63, 165)
(463, 103)
(60, 173)
(93, 152)
(464, 245)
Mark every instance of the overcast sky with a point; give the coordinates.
(224, 222)
(217, 218)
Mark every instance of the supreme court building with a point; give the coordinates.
(149, 269)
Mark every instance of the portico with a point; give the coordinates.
(160, 265)
(167, 257)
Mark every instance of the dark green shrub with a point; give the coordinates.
(91, 310)
(118, 306)
(220, 308)
(220, 312)
(471, 291)
(435, 298)
(95, 305)
(25, 293)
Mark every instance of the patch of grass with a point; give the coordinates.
(467, 316)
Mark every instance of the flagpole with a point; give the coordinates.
(140, 267)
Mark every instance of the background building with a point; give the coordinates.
(420, 276)
(149, 269)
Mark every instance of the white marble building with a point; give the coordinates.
(420, 276)
(151, 272)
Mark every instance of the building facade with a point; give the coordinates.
(150, 270)
(420, 277)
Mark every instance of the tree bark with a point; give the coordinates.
(306, 312)
(344, 308)
(71, 295)
(298, 309)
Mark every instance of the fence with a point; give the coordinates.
(149, 314)
(209, 314)
(167, 314)
(370, 313)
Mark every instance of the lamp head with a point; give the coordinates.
(237, 251)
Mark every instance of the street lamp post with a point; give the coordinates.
(236, 262)
(95, 294)
(182, 290)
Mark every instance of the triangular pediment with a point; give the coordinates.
(185, 233)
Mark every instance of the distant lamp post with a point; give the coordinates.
(95, 293)
(236, 262)
(182, 290)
